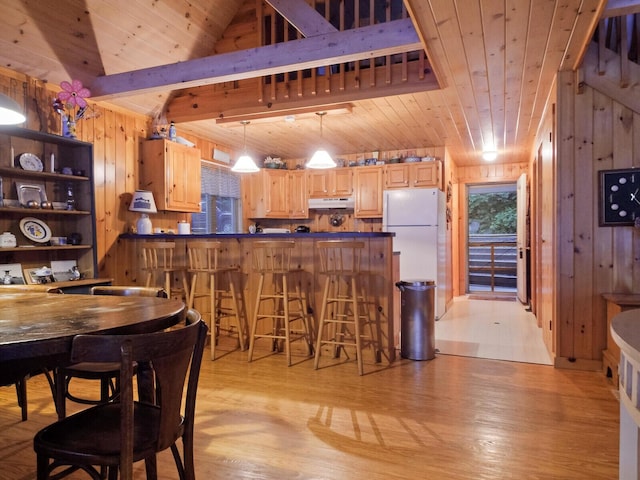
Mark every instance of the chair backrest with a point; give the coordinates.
(158, 255)
(128, 291)
(272, 256)
(340, 256)
(203, 255)
(171, 353)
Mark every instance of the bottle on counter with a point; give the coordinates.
(172, 132)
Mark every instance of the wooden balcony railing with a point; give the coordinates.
(495, 261)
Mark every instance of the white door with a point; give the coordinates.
(522, 237)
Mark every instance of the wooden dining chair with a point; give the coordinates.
(106, 373)
(117, 434)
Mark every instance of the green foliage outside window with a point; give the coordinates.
(493, 212)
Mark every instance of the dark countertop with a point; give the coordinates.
(263, 235)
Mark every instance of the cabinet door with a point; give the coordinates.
(342, 182)
(368, 187)
(298, 203)
(425, 174)
(183, 180)
(396, 176)
(172, 172)
(318, 184)
(276, 193)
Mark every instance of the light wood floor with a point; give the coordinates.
(449, 418)
(502, 330)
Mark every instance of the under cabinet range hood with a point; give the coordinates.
(328, 203)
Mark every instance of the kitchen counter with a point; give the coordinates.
(222, 236)
(377, 260)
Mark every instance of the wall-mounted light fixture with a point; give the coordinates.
(245, 163)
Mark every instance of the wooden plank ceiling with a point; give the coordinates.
(489, 72)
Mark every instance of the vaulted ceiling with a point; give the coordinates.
(490, 67)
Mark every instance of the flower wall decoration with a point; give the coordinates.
(71, 104)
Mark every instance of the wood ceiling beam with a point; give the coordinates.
(306, 19)
(372, 41)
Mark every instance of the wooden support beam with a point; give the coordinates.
(351, 45)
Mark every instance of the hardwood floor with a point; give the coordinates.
(449, 418)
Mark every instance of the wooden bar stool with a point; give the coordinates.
(344, 312)
(158, 261)
(204, 261)
(272, 262)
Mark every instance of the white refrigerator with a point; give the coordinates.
(417, 217)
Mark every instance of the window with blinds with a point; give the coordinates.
(220, 201)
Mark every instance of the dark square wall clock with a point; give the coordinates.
(619, 196)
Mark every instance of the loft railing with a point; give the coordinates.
(621, 35)
(344, 15)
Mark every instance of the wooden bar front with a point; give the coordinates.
(237, 250)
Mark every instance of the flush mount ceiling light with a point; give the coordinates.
(245, 163)
(489, 155)
(10, 113)
(321, 159)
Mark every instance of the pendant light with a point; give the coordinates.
(245, 163)
(10, 113)
(321, 159)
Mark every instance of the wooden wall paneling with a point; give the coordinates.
(107, 197)
(587, 320)
(635, 281)
(94, 132)
(622, 236)
(566, 173)
(603, 160)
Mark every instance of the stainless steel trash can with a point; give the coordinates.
(417, 319)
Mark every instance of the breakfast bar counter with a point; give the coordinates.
(237, 250)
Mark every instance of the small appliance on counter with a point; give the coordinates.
(276, 230)
(302, 229)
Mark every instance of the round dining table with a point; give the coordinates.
(37, 330)
(42, 325)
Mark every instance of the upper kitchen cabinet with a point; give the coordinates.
(172, 172)
(368, 184)
(335, 182)
(276, 193)
(413, 175)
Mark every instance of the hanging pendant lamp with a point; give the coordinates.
(245, 163)
(10, 113)
(321, 159)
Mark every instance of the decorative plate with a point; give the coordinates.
(35, 229)
(28, 161)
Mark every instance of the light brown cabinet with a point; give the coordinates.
(335, 182)
(41, 179)
(274, 193)
(412, 175)
(368, 184)
(298, 200)
(172, 172)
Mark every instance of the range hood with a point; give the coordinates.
(327, 203)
